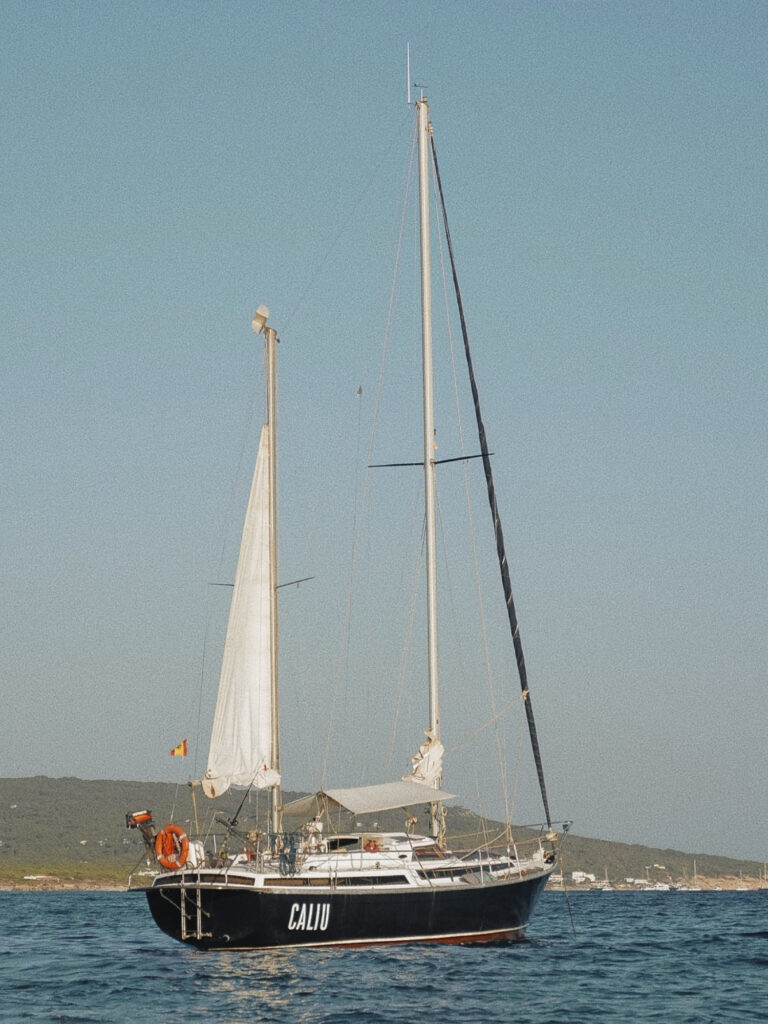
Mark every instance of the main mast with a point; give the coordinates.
(423, 133)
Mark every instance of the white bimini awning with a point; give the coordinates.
(385, 796)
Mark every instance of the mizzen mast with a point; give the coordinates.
(270, 350)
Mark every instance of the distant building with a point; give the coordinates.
(580, 877)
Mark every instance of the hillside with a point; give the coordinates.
(73, 831)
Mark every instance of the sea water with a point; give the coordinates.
(601, 956)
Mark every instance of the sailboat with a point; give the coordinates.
(316, 885)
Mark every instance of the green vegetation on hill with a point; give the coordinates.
(74, 830)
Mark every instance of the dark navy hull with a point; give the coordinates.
(238, 917)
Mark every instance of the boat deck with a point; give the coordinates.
(356, 861)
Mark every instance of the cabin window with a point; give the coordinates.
(373, 880)
(444, 873)
(315, 880)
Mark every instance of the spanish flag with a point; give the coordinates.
(181, 750)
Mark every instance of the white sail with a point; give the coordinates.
(241, 741)
(428, 763)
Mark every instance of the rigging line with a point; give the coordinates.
(459, 458)
(516, 776)
(500, 752)
(407, 640)
(503, 566)
(294, 583)
(565, 892)
(344, 224)
(198, 728)
(483, 819)
(491, 721)
(173, 802)
(446, 570)
(233, 821)
(225, 535)
(344, 639)
(400, 465)
(289, 583)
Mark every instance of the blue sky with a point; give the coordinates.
(166, 167)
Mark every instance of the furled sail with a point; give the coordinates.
(428, 762)
(241, 741)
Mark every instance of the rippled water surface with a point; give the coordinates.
(637, 957)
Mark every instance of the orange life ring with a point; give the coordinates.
(172, 847)
(371, 847)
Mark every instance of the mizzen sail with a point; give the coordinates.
(241, 741)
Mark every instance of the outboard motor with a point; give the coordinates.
(142, 820)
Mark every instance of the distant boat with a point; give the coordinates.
(314, 886)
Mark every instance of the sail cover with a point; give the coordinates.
(241, 741)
